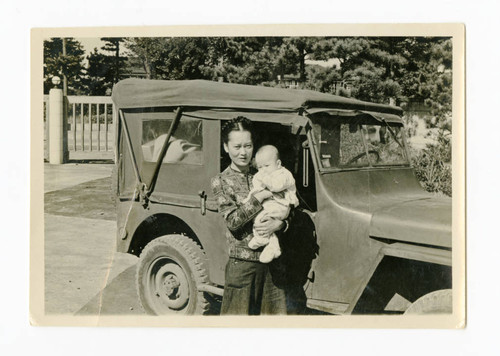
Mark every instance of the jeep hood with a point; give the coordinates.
(423, 221)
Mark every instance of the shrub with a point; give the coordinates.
(433, 165)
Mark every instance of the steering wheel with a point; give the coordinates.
(355, 158)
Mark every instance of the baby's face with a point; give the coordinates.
(267, 162)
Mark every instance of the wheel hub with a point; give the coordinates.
(171, 286)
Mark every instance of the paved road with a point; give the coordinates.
(83, 272)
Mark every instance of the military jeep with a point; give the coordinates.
(366, 237)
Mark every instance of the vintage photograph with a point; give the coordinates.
(295, 175)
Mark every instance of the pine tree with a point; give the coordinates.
(99, 73)
(57, 64)
(117, 64)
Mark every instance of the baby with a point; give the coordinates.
(279, 180)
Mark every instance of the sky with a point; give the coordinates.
(89, 44)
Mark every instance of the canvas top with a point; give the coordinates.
(204, 94)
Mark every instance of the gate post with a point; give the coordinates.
(58, 144)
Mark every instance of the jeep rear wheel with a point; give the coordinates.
(169, 270)
(438, 302)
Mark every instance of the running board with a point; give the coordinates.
(329, 307)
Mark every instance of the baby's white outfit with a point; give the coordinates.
(282, 184)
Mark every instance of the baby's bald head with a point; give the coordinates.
(268, 151)
(267, 158)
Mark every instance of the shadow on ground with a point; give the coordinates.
(112, 300)
(90, 200)
(118, 298)
(91, 161)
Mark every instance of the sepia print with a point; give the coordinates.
(313, 176)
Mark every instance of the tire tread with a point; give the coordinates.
(195, 258)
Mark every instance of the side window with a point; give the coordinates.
(186, 143)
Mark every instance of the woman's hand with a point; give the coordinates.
(263, 195)
(268, 225)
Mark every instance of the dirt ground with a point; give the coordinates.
(83, 272)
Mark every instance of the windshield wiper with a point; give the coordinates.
(386, 124)
(392, 132)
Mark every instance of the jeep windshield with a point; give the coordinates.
(357, 142)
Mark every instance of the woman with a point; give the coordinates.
(250, 286)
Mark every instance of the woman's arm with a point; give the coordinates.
(269, 225)
(236, 216)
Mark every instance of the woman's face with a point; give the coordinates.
(240, 148)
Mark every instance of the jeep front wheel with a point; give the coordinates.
(169, 270)
(437, 302)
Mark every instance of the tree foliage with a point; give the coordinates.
(372, 65)
(149, 51)
(170, 58)
(99, 73)
(182, 58)
(116, 63)
(380, 68)
(377, 69)
(57, 64)
(437, 83)
(323, 79)
(105, 66)
(433, 165)
(246, 60)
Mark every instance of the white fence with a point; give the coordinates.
(90, 126)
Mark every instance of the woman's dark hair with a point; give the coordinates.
(239, 123)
